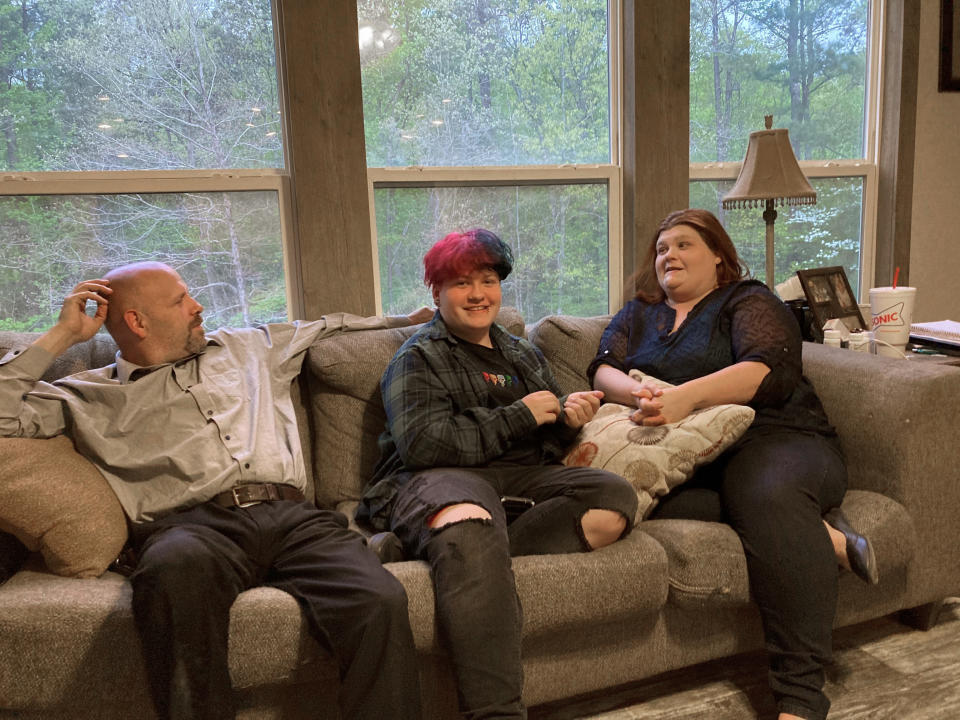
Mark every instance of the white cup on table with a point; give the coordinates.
(892, 312)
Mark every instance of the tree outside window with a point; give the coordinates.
(805, 63)
(492, 83)
(100, 86)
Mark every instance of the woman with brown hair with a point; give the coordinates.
(700, 323)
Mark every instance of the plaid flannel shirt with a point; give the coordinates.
(440, 415)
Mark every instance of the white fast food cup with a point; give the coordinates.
(892, 312)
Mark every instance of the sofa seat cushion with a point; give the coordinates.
(625, 581)
(68, 639)
(708, 566)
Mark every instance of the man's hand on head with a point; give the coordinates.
(73, 314)
(75, 325)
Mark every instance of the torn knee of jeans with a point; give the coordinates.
(627, 525)
(474, 520)
(581, 535)
(437, 509)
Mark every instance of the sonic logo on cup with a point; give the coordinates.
(889, 316)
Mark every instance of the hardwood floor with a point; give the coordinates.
(882, 670)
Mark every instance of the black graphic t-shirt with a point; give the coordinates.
(506, 386)
(499, 374)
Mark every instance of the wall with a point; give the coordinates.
(935, 226)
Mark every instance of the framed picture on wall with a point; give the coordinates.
(949, 46)
(830, 296)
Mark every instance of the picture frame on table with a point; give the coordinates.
(949, 80)
(830, 296)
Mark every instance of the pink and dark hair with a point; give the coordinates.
(461, 253)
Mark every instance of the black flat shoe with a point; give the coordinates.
(863, 563)
(386, 546)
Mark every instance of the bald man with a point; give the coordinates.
(196, 434)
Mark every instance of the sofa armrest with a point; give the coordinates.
(897, 422)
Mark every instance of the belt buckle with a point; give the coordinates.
(236, 499)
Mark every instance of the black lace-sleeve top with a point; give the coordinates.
(742, 321)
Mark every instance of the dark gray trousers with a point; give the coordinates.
(193, 564)
(773, 488)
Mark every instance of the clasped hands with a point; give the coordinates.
(578, 408)
(658, 406)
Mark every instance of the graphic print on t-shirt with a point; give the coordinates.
(501, 380)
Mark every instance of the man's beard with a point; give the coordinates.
(196, 341)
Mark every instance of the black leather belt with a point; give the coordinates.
(253, 493)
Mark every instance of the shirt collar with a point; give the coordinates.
(439, 330)
(128, 372)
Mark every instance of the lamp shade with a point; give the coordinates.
(770, 172)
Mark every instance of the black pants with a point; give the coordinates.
(477, 606)
(773, 488)
(193, 564)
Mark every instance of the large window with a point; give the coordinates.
(554, 231)
(119, 118)
(812, 65)
(494, 114)
(140, 129)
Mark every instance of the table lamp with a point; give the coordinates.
(772, 176)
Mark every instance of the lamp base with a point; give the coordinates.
(770, 215)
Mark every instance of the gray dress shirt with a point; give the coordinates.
(174, 435)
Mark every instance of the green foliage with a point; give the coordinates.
(808, 236)
(495, 82)
(802, 62)
(140, 84)
(507, 82)
(164, 84)
(558, 239)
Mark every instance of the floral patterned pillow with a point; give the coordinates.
(656, 459)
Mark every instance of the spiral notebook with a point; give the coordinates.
(942, 331)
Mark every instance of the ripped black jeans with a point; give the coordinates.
(477, 606)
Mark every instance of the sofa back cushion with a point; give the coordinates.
(569, 344)
(343, 376)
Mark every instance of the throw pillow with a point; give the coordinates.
(54, 500)
(656, 459)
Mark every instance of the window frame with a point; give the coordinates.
(319, 246)
(609, 174)
(523, 176)
(141, 182)
(204, 180)
(866, 167)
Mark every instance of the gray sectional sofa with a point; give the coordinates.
(673, 594)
